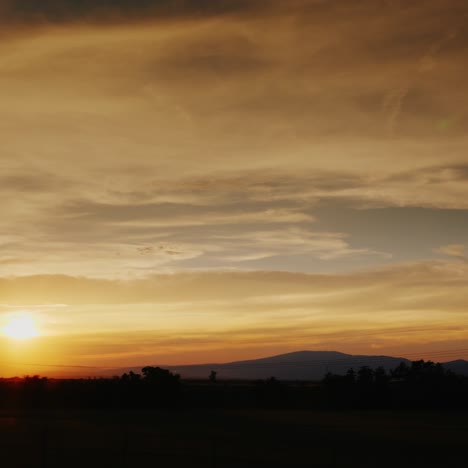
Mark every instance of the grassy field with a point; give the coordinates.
(250, 438)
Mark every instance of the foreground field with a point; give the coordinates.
(219, 438)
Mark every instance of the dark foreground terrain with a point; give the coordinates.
(233, 438)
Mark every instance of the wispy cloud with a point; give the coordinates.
(454, 250)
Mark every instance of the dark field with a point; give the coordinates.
(241, 438)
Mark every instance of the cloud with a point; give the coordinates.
(128, 125)
(425, 277)
(63, 11)
(394, 101)
(227, 220)
(454, 250)
(180, 214)
(295, 241)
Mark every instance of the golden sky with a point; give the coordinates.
(190, 181)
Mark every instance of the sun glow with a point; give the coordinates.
(21, 327)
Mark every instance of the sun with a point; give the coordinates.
(21, 327)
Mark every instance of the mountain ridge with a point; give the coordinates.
(296, 365)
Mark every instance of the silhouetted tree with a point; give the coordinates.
(158, 376)
(34, 391)
(365, 376)
(401, 372)
(350, 376)
(380, 376)
(162, 384)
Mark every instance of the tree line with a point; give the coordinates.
(421, 384)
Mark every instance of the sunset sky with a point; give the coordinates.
(188, 181)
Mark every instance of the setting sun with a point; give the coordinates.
(21, 328)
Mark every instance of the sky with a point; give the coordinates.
(189, 181)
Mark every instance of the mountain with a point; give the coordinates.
(300, 365)
(459, 367)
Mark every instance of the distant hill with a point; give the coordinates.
(300, 365)
(459, 367)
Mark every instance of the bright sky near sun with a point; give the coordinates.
(189, 181)
(20, 327)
